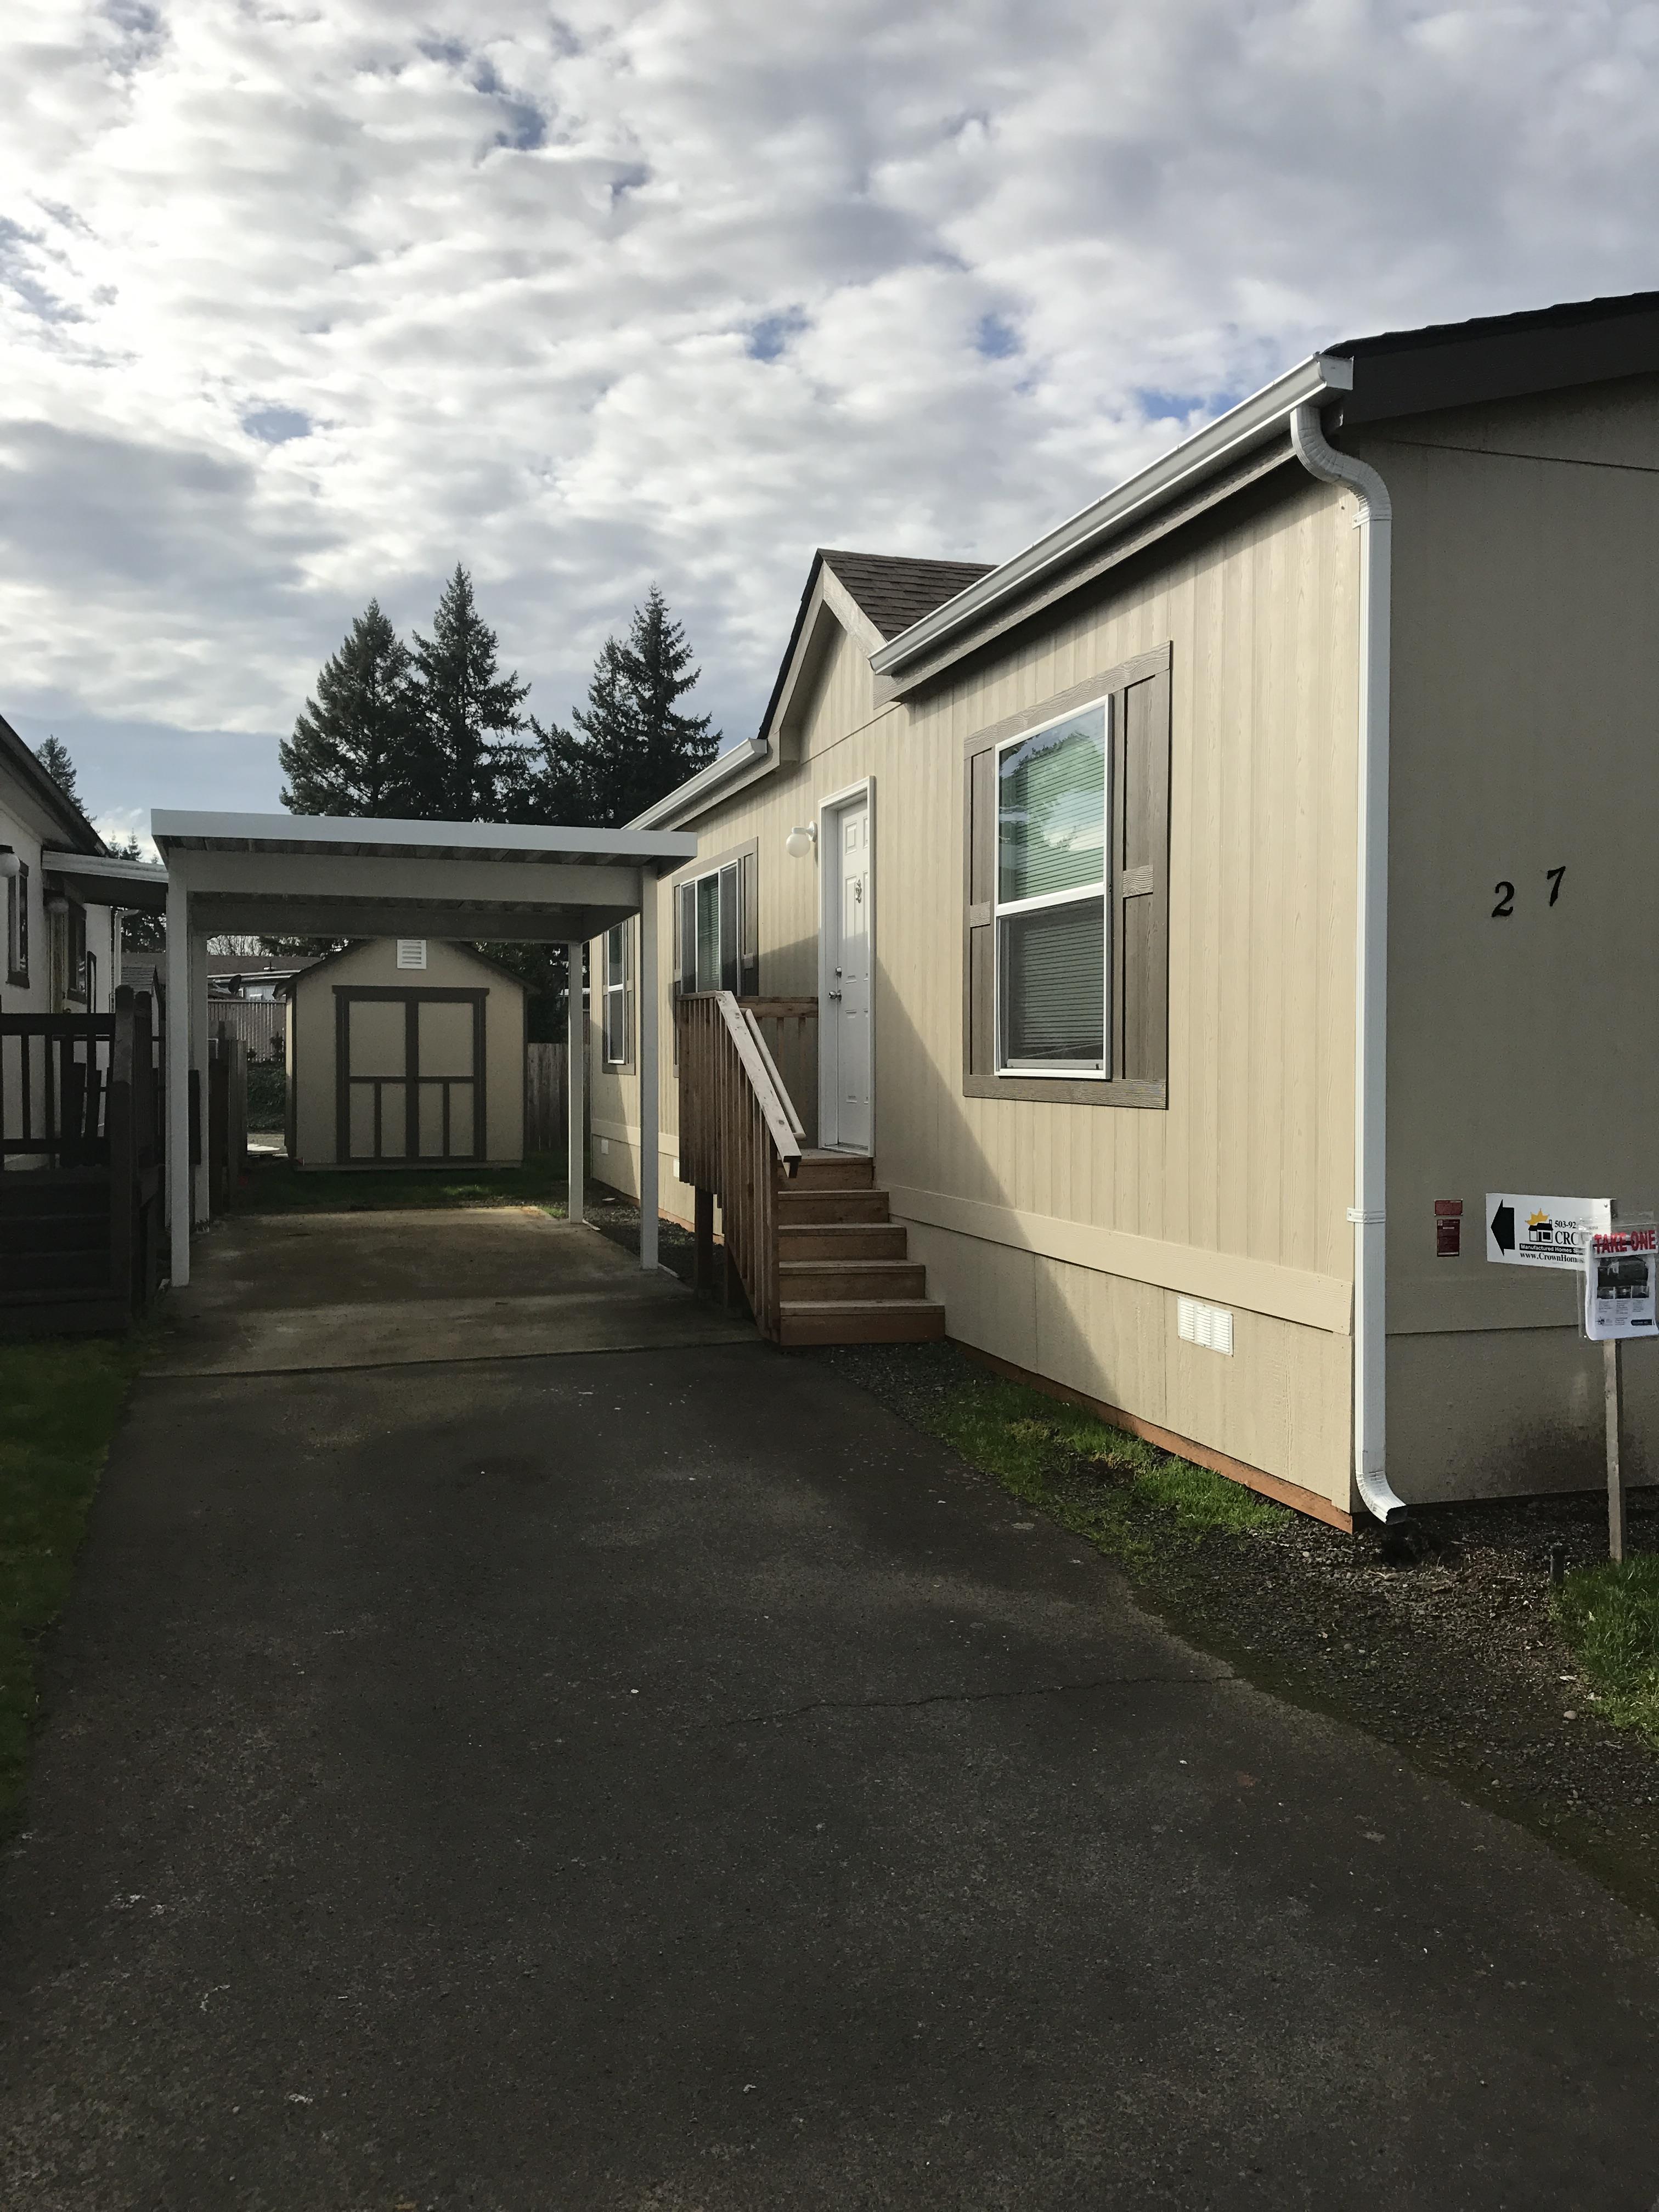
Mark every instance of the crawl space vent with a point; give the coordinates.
(1210, 1326)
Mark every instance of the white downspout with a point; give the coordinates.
(1375, 523)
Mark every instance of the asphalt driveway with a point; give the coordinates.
(657, 1780)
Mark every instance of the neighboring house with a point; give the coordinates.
(260, 976)
(61, 949)
(1152, 868)
(405, 1052)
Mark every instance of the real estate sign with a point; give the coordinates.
(1619, 1284)
(1523, 1231)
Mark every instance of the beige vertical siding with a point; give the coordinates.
(374, 964)
(1523, 1052)
(1060, 1236)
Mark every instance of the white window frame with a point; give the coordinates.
(622, 991)
(1072, 1070)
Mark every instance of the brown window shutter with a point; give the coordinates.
(1140, 890)
(686, 939)
(748, 925)
(978, 1013)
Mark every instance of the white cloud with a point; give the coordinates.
(302, 303)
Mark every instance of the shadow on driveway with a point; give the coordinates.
(658, 1778)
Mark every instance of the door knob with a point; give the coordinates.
(835, 994)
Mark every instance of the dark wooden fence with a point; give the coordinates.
(80, 1145)
(546, 1098)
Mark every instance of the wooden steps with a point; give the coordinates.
(844, 1271)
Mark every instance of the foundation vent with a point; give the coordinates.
(1210, 1326)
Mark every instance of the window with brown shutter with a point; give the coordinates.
(1066, 922)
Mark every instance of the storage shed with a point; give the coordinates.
(405, 1052)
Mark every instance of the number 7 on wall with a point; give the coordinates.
(1504, 893)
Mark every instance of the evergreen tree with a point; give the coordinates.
(53, 757)
(630, 744)
(471, 766)
(354, 750)
(140, 932)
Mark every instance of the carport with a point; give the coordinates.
(300, 876)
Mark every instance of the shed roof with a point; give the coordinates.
(300, 978)
(359, 838)
(314, 876)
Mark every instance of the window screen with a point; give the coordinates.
(619, 1010)
(1052, 973)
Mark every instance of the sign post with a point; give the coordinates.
(1621, 1268)
(1620, 1265)
(1612, 1377)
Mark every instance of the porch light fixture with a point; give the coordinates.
(801, 841)
(10, 866)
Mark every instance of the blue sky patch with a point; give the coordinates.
(996, 337)
(275, 426)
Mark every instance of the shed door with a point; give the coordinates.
(376, 1078)
(411, 1075)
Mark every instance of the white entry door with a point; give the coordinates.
(845, 1021)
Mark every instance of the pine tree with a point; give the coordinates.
(471, 762)
(354, 750)
(140, 932)
(657, 660)
(53, 757)
(630, 744)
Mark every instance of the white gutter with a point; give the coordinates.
(705, 786)
(1375, 522)
(1251, 423)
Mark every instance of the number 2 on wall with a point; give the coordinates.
(1505, 893)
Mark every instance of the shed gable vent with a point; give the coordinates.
(1210, 1326)
(411, 952)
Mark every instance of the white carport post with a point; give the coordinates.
(176, 1045)
(649, 1162)
(575, 1053)
(198, 1061)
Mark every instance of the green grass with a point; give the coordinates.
(59, 1403)
(1608, 1617)
(1102, 1483)
(274, 1186)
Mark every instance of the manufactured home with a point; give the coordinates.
(405, 1052)
(1168, 937)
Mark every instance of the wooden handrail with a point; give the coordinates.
(740, 1136)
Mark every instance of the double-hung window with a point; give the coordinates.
(1052, 982)
(618, 996)
(17, 926)
(1066, 970)
(716, 938)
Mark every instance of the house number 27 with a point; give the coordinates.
(1505, 894)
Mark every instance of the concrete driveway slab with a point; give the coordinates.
(276, 1293)
(662, 1780)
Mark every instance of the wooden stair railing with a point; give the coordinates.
(740, 1136)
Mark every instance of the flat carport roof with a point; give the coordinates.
(312, 876)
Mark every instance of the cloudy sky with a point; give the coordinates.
(300, 303)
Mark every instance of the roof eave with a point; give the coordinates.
(705, 788)
(1253, 422)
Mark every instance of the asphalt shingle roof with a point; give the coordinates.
(895, 591)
